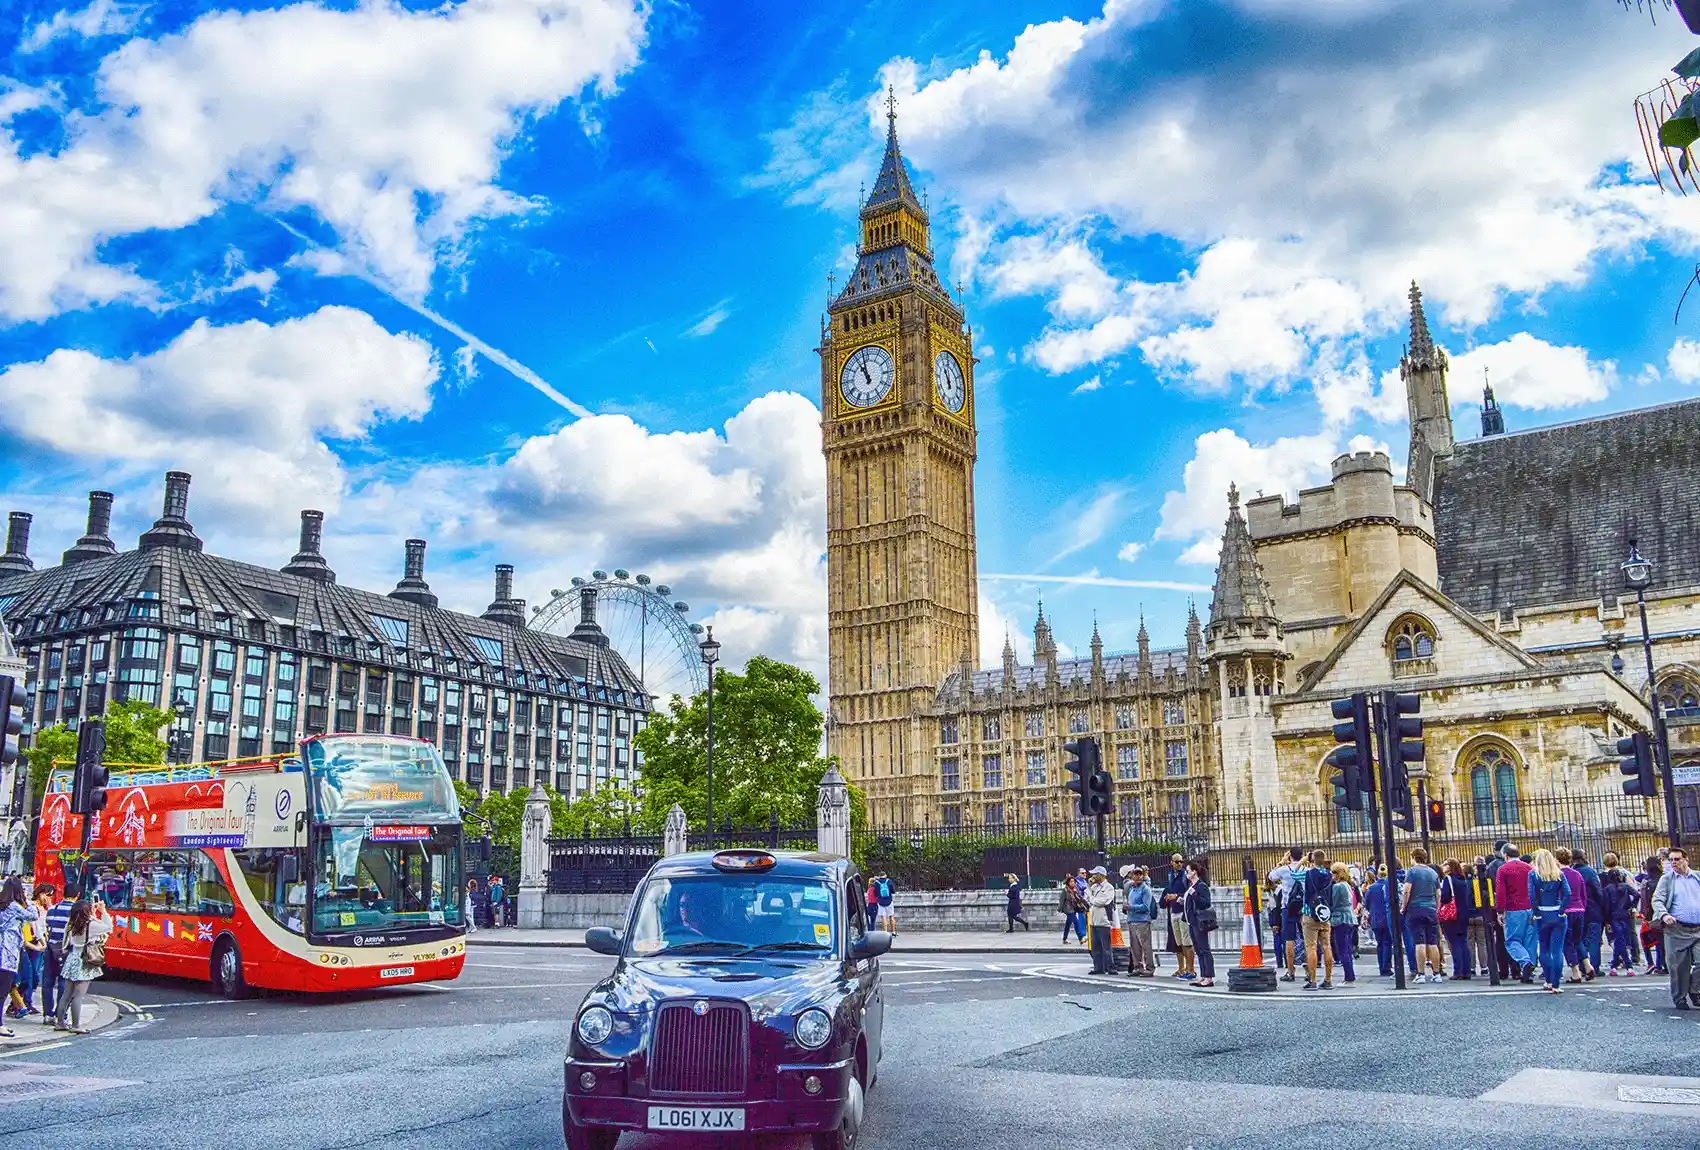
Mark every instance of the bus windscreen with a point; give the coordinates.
(380, 779)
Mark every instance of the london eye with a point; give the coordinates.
(644, 624)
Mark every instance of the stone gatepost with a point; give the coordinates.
(534, 858)
(676, 842)
(832, 815)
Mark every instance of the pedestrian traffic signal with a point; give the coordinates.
(1404, 817)
(89, 779)
(1643, 779)
(1085, 764)
(1436, 815)
(1404, 742)
(11, 720)
(1355, 768)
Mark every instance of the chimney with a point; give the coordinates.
(413, 588)
(172, 528)
(587, 630)
(308, 562)
(16, 560)
(505, 608)
(96, 543)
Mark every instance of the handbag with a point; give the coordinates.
(94, 952)
(1448, 911)
(1207, 921)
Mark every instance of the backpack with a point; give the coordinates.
(1318, 894)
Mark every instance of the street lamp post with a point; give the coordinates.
(1638, 573)
(710, 656)
(180, 744)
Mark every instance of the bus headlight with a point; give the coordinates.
(813, 1029)
(594, 1026)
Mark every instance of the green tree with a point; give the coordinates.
(767, 736)
(132, 736)
(604, 811)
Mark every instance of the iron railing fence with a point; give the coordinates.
(606, 864)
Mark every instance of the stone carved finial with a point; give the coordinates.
(832, 814)
(676, 838)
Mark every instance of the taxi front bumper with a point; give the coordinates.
(614, 1102)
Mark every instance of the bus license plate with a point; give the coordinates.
(696, 1118)
(395, 972)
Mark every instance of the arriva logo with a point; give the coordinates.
(282, 804)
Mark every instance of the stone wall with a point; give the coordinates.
(582, 911)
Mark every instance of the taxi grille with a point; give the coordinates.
(706, 1053)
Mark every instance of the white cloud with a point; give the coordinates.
(247, 407)
(1528, 372)
(1196, 513)
(1684, 360)
(1357, 148)
(995, 625)
(387, 124)
(1093, 384)
(100, 18)
(1129, 552)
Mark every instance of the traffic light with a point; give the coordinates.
(1404, 746)
(11, 734)
(1643, 779)
(88, 785)
(1355, 767)
(1090, 783)
(1436, 815)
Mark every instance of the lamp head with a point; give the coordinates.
(710, 648)
(1637, 571)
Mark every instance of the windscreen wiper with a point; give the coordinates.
(784, 946)
(701, 946)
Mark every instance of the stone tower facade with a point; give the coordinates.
(1247, 656)
(897, 427)
(1423, 369)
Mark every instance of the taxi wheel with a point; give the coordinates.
(585, 1137)
(850, 1128)
(227, 970)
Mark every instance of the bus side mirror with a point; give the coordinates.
(289, 869)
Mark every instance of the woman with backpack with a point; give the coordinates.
(1549, 894)
(1343, 919)
(1652, 934)
(1073, 909)
(1620, 920)
(84, 961)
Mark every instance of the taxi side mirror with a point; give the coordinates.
(870, 945)
(604, 940)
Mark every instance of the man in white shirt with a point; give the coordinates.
(1676, 907)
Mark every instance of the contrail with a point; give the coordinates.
(493, 354)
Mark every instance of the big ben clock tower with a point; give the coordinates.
(897, 427)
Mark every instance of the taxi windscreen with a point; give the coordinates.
(732, 914)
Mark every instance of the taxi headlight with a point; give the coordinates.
(814, 1028)
(594, 1026)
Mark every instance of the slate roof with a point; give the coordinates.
(1545, 516)
(892, 186)
(177, 576)
(1240, 590)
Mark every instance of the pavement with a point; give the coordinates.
(99, 1012)
(982, 1048)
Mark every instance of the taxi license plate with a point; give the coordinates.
(696, 1118)
(395, 972)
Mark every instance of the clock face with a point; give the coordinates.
(868, 375)
(947, 378)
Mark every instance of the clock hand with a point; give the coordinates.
(865, 376)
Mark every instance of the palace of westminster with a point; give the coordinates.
(1488, 580)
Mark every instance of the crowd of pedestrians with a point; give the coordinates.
(51, 945)
(1546, 917)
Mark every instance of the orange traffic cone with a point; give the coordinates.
(1251, 949)
(1251, 976)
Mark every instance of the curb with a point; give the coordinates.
(100, 1013)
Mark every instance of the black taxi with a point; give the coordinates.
(746, 1001)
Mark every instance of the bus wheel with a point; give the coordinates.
(227, 970)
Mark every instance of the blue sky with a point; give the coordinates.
(540, 280)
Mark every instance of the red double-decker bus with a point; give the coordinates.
(337, 869)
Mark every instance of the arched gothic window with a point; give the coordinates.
(1412, 639)
(1679, 695)
(1493, 786)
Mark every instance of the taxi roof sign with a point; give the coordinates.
(743, 860)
